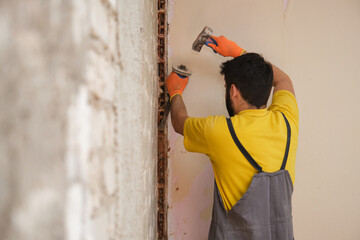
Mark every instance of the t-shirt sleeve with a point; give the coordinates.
(195, 135)
(285, 102)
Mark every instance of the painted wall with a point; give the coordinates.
(78, 100)
(317, 43)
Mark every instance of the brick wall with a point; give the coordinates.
(78, 97)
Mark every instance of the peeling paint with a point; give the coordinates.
(286, 2)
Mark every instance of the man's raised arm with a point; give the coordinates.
(228, 48)
(282, 81)
(176, 85)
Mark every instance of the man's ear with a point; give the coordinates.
(234, 92)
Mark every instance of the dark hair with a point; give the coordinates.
(252, 75)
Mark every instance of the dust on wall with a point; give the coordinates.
(78, 98)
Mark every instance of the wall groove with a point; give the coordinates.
(162, 134)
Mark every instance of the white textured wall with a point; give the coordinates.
(317, 43)
(78, 119)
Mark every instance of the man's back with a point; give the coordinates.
(261, 131)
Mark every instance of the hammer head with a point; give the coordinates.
(202, 38)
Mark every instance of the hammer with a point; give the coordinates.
(202, 38)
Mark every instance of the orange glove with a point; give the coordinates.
(176, 84)
(224, 46)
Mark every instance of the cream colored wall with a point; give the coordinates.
(317, 42)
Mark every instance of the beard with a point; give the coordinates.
(229, 104)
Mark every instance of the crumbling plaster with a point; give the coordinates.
(78, 101)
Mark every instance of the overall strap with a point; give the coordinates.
(287, 143)
(241, 147)
(248, 156)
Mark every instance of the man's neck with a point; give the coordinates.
(245, 106)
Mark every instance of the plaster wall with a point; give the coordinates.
(78, 100)
(317, 44)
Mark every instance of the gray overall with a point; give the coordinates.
(264, 211)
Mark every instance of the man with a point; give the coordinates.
(253, 152)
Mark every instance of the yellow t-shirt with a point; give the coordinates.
(263, 134)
